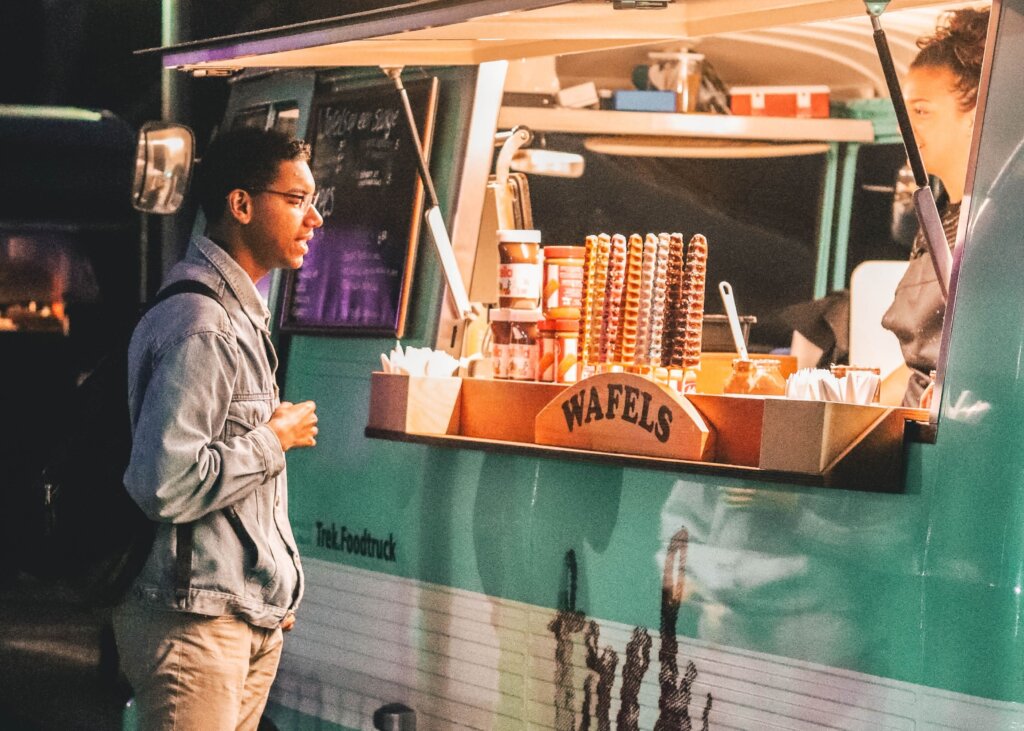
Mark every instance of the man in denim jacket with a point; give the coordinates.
(200, 632)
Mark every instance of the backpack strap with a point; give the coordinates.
(186, 285)
(184, 531)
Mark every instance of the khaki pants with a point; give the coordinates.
(195, 673)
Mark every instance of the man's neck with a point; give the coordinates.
(232, 244)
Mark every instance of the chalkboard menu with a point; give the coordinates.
(357, 275)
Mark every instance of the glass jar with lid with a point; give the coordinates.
(519, 269)
(567, 350)
(767, 379)
(741, 377)
(524, 344)
(563, 281)
(501, 336)
(756, 376)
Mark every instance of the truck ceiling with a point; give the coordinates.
(452, 32)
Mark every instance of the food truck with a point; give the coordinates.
(623, 547)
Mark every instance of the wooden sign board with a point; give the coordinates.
(625, 413)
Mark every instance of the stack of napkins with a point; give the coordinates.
(818, 384)
(418, 362)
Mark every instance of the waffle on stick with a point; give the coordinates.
(597, 295)
(629, 324)
(675, 313)
(611, 345)
(587, 299)
(693, 294)
(648, 266)
(659, 300)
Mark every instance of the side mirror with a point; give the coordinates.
(163, 167)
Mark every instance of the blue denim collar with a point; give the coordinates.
(237, 280)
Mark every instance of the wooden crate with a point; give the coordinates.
(414, 404)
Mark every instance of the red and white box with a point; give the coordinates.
(779, 101)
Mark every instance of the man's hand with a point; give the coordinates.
(288, 622)
(295, 424)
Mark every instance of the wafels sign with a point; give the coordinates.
(626, 413)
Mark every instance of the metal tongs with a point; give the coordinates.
(924, 201)
(433, 217)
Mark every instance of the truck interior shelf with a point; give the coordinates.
(715, 126)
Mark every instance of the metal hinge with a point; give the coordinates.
(205, 71)
(640, 4)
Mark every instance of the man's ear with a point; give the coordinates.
(240, 205)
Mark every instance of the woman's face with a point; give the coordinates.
(943, 130)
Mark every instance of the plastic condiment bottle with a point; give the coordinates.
(563, 281)
(519, 268)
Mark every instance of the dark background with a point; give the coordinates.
(80, 53)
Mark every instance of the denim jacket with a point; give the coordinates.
(205, 466)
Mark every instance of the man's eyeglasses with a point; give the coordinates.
(301, 200)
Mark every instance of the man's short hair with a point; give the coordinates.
(244, 158)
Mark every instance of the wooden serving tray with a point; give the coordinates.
(830, 444)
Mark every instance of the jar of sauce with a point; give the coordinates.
(741, 377)
(524, 344)
(567, 350)
(501, 334)
(767, 379)
(519, 268)
(563, 281)
(546, 367)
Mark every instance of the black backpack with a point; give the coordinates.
(94, 536)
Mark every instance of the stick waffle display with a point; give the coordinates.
(643, 302)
